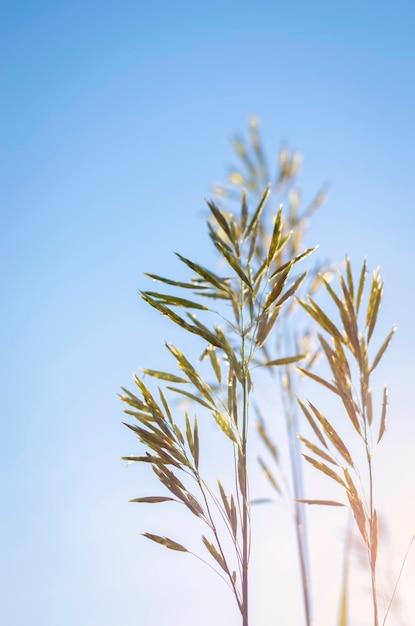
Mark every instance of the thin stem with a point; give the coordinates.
(243, 479)
(372, 540)
(397, 582)
(298, 493)
(245, 534)
(214, 530)
(299, 515)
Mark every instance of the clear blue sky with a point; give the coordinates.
(116, 119)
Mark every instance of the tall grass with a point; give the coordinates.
(244, 313)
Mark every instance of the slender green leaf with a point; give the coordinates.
(257, 214)
(275, 238)
(174, 283)
(189, 435)
(321, 318)
(234, 518)
(277, 288)
(361, 286)
(194, 505)
(221, 220)
(350, 279)
(133, 401)
(332, 434)
(324, 468)
(166, 406)
(196, 443)
(191, 396)
(286, 360)
(340, 305)
(270, 476)
(205, 333)
(175, 301)
(164, 376)
(383, 416)
(225, 426)
(318, 379)
(165, 541)
(242, 474)
(224, 500)
(234, 263)
(312, 423)
(356, 505)
(216, 555)
(191, 373)
(382, 349)
(293, 261)
(311, 446)
(210, 278)
(215, 363)
(321, 502)
(153, 499)
(145, 459)
(162, 308)
(263, 433)
(374, 305)
(291, 291)
(265, 326)
(244, 211)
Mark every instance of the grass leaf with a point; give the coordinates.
(153, 499)
(191, 396)
(349, 275)
(311, 446)
(318, 379)
(174, 283)
(216, 555)
(221, 220)
(291, 291)
(360, 289)
(321, 318)
(321, 502)
(383, 416)
(286, 360)
(254, 221)
(312, 423)
(225, 426)
(332, 435)
(175, 301)
(165, 541)
(164, 376)
(269, 475)
(356, 505)
(234, 263)
(215, 363)
(196, 443)
(382, 349)
(275, 237)
(189, 435)
(324, 468)
(208, 276)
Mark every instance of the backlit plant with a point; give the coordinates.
(244, 313)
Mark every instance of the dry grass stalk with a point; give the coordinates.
(245, 320)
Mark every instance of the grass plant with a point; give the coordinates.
(249, 320)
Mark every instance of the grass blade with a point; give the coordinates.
(382, 349)
(323, 468)
(165, 541)
(383, 416)
(153, 499)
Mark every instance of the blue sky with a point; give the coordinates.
(116, 121)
